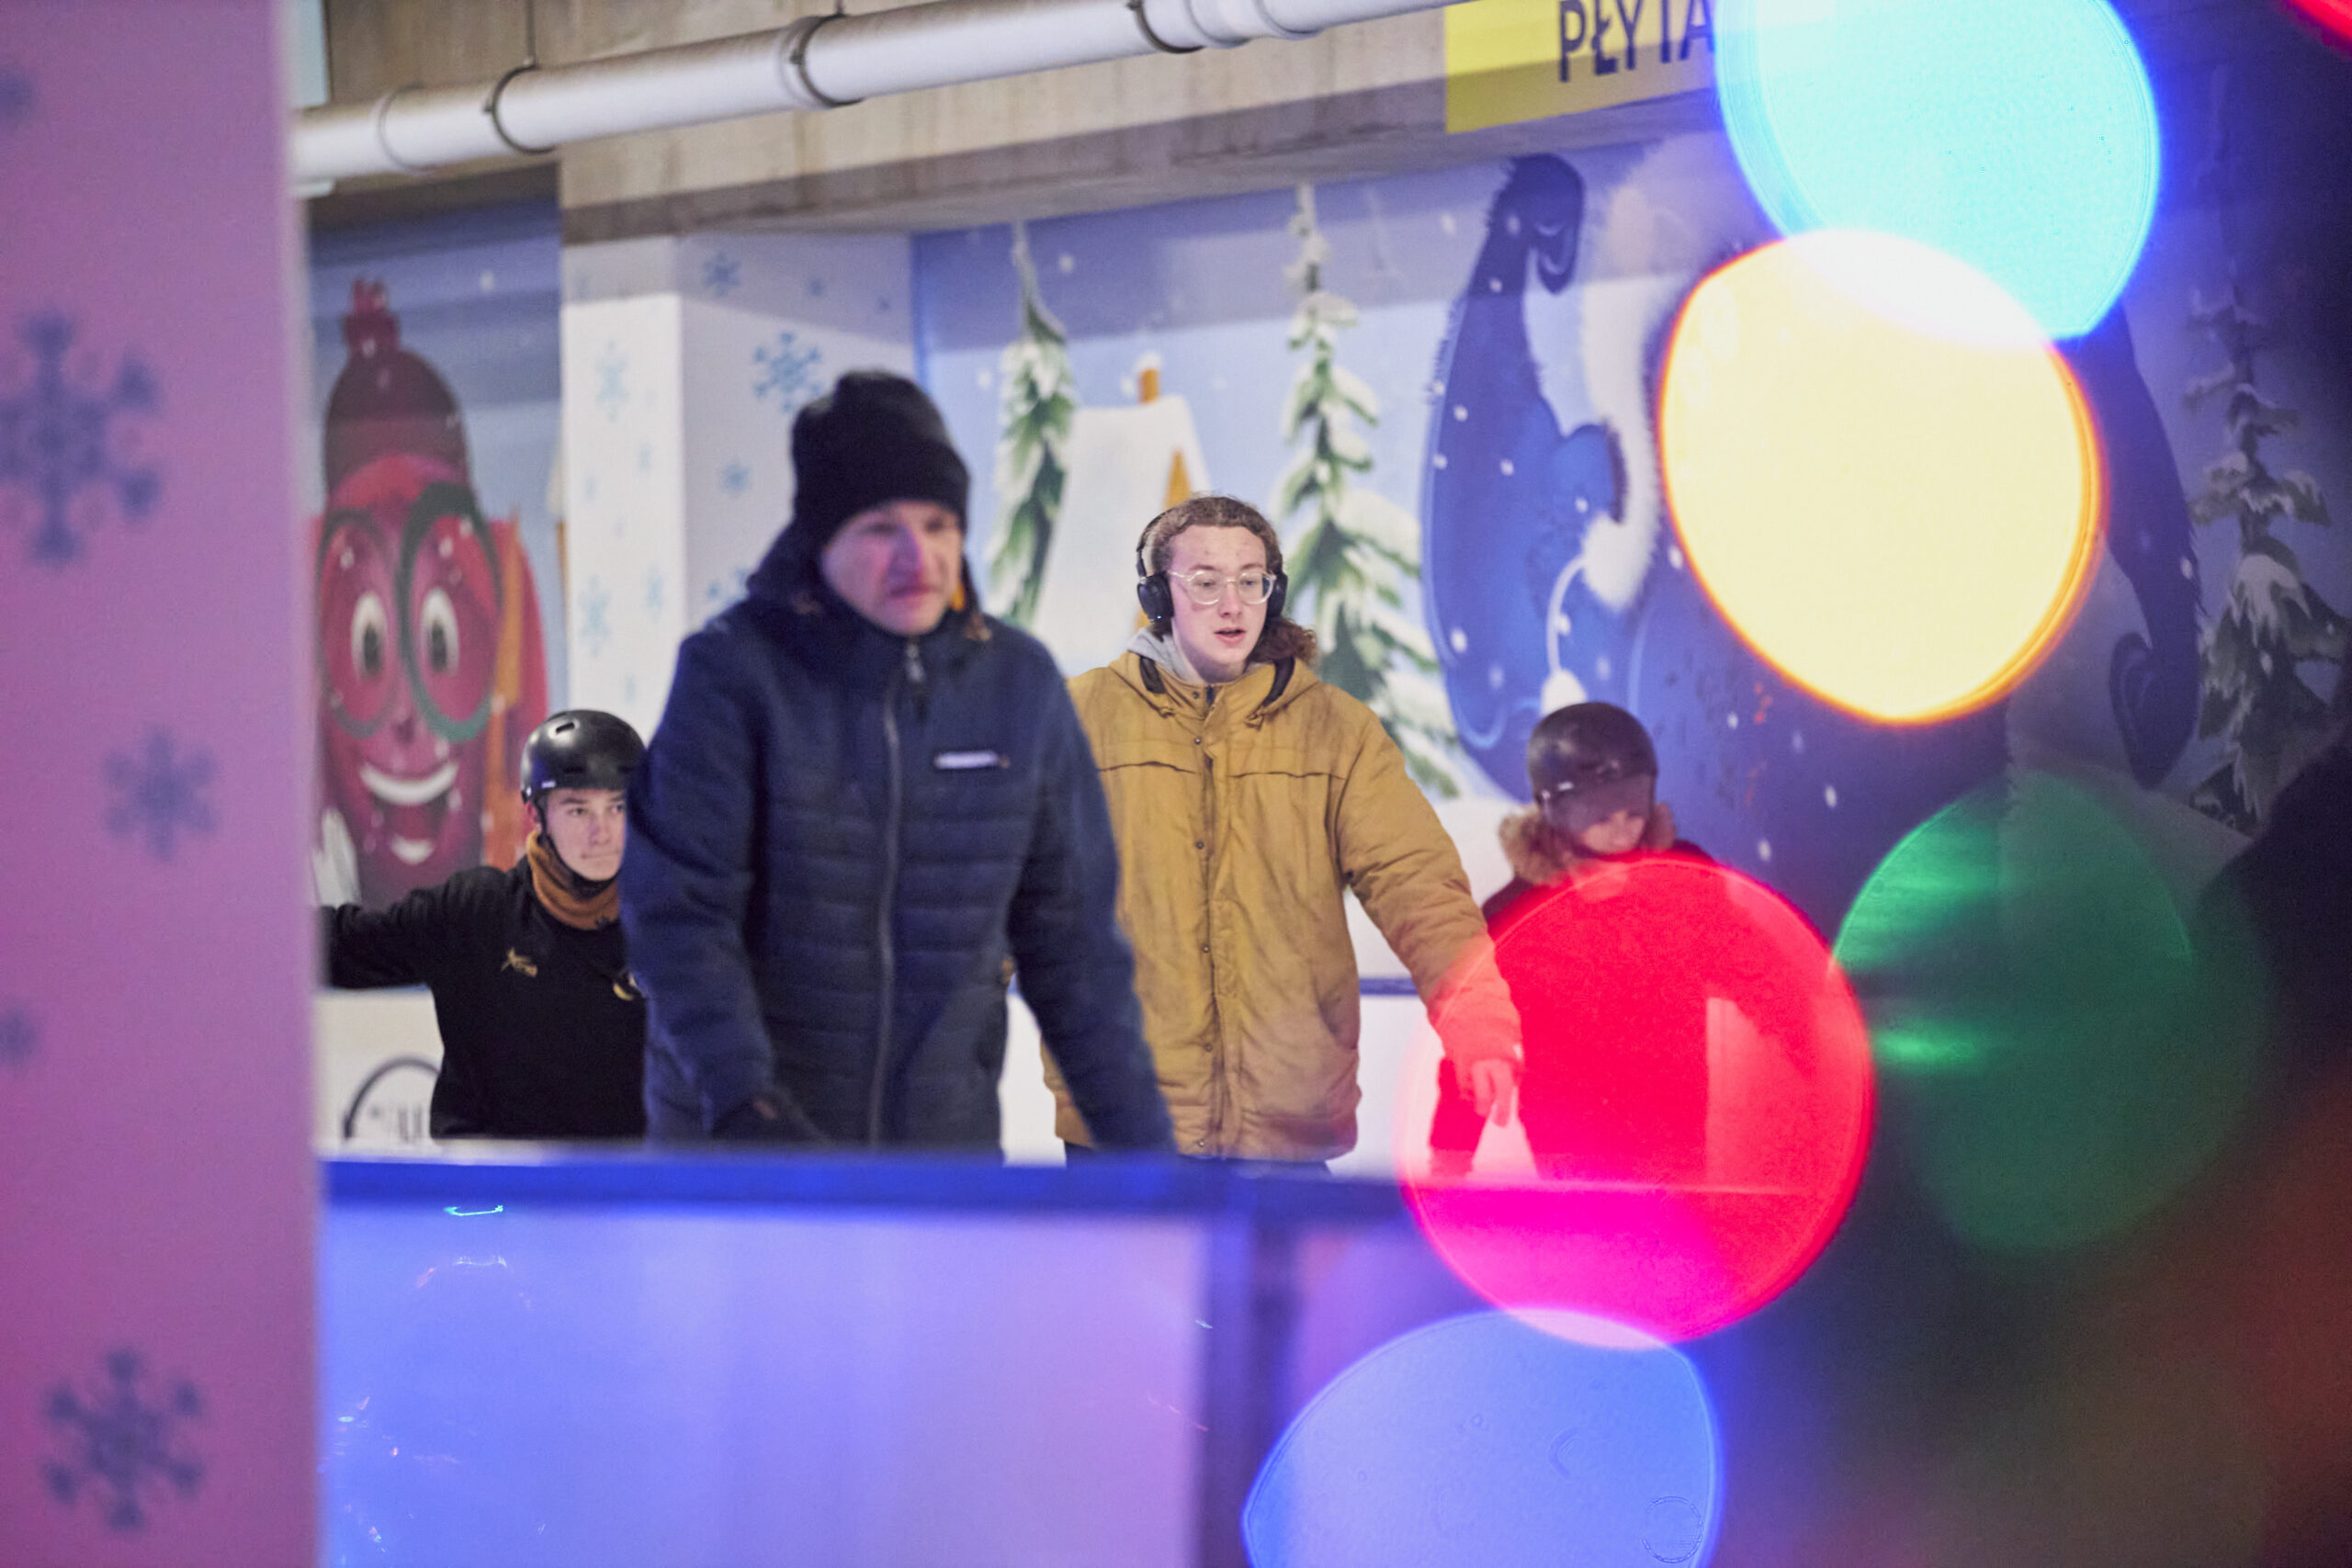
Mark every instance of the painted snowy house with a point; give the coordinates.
(1125, 467)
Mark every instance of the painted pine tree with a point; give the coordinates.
(2272, 625)
(1349, 550)
(1034, 406)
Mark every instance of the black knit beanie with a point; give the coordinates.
(876, 437)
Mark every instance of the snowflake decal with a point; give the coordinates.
(595, 618)
(656, 591)
(122, 1442)
(721, 276)
(64, 444)
(159, 793)
(816, 288)
(16, 97)
(735, 479)
(645, 456)
(20, 1036)
(727, 589)
(612, 381)
(786, 370)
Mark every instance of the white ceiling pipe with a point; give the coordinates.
(950, 41)
(815, 63)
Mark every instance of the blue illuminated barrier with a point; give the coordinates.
(623, 1357)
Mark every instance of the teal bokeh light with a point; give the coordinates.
(2022, 140)
(2057, 1061)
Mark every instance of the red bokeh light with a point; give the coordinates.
(1696, 1099)
(2333, 17)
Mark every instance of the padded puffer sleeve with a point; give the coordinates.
(1397, 857)
(686, 877)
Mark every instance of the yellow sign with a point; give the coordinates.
(1517, 60)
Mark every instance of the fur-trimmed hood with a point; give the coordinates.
(1540, 856)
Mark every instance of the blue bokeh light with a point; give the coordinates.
(1487, 1439)
(2023, 141)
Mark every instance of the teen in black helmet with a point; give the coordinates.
(1594, 775)
(542, 1028)
(1593, 771)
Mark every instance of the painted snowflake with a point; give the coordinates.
(787, 371)
(735, 479)
(721, 276)
(612, 380)
(595, 618)
(66, 447)
(16, 97)
(123, 1441)
(20, 1036)
(159, 793)
(657, 589)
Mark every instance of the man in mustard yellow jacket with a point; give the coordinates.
(1247, 797)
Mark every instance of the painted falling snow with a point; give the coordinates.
(160, 794)
(69, 458)
(1438, 384)
(122, 1442)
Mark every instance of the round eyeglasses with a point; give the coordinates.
(1206, 588)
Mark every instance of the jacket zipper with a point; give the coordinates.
(1219, 1084)
(894, 810)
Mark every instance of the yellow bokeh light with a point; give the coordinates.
(1883, 476)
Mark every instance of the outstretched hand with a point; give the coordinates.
(1494, 1088)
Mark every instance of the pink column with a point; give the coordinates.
(156, 1195)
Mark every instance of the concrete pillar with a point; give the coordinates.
(684, 362)
(156, 1189)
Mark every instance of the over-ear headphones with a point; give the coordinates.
(1151, 587)
(1158, 600)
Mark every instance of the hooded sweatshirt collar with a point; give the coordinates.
(1261, 692)
(1164, 650)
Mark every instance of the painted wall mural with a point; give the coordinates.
(436, 378)
(1511, 549)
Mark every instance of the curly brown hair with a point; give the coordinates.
(1283, 638)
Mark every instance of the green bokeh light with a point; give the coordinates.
(2037, 1015)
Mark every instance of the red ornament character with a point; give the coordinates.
(431, 670)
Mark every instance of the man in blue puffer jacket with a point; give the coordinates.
(866, 806)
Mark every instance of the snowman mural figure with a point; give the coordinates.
(1550, 575)
(431, 668)
(1510, 502)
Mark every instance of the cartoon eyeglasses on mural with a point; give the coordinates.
(431, 671)
(424, 610)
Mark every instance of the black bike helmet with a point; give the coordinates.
(580, 749)
(1587, 762)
